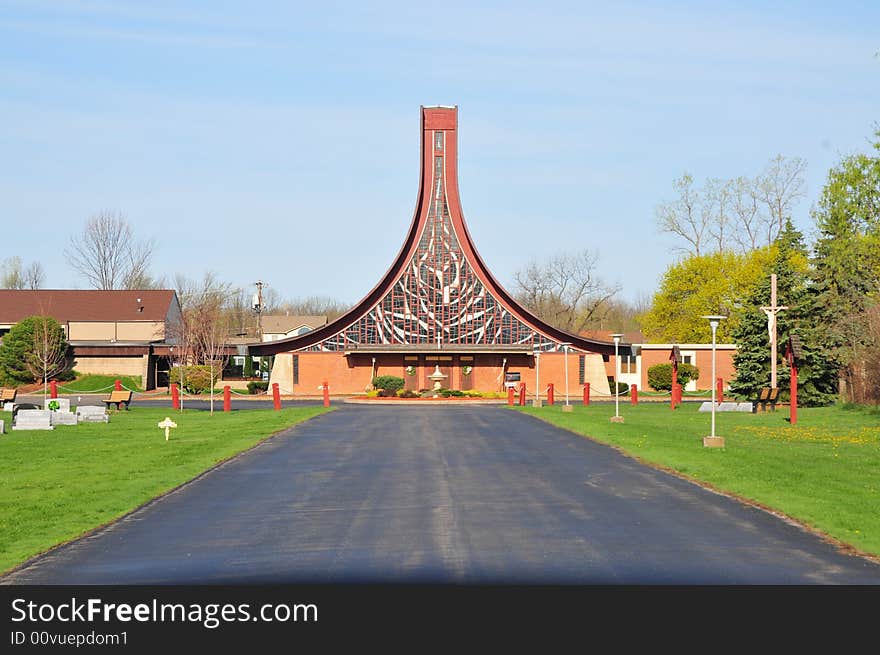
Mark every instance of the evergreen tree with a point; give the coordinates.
(817, 372)
(248, 369)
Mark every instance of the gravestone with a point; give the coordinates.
(2, 427)
(726, 407)
(33, 419)
(92, 414)
(63, 404)
(62, 418)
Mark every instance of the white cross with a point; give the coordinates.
(167, 424)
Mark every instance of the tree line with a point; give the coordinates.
(831, 287)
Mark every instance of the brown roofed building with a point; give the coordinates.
(282, 326)
(117, 332)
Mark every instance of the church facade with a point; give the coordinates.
(438, 307)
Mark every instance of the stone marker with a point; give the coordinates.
(2, 427)
(744, 407)
(92, 414)
(62, 418)
(727, 407)
(33, 419)
(706, 406)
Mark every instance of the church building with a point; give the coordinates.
(438, 307)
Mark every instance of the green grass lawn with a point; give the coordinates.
(57, 485)
(100, 383)
(824, 471)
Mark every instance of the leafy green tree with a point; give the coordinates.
(697, 286)
(35, 348)
(847, 262)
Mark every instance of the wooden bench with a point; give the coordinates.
(7, 395)
(119, 398)
(766, 397)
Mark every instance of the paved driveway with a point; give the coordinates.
(444, 494)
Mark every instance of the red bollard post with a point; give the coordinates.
(634, 394)
(550, 391)
(522, 394)
(117, 385)
(719, 390)
(227, 399)
(792, 405)
(326, 390)
(53, 389)
(510, 394)
(175, 396)
(586, 393)
(276, 396)
(672, 397)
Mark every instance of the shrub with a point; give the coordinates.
(388, 385)
(256, 387)
(447, 393)
(622, 388)
(196, 379)
(660, 376)
(406, 393)
(67, 375)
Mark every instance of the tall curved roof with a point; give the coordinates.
(438, 289)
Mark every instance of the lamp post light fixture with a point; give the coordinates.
(566, 407)
(713, 441)
(537, 402)
(617, 418)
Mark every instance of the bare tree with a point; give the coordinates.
(564, 290)
(718, 201)
(34, 276)
(780, 186)
(107, 254)
(747, 215)
(203, 331)
(313, 306)
(49, 354)
(685, 217)
(13, 276)
(744, 211)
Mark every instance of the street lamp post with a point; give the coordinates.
(566, 407)
(713, 441)
(537, 402)
(617, 418)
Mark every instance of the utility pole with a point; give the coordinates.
(258, 308)
(771, 312)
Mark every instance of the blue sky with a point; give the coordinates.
(280, 141)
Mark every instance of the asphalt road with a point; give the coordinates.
(444, 494)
